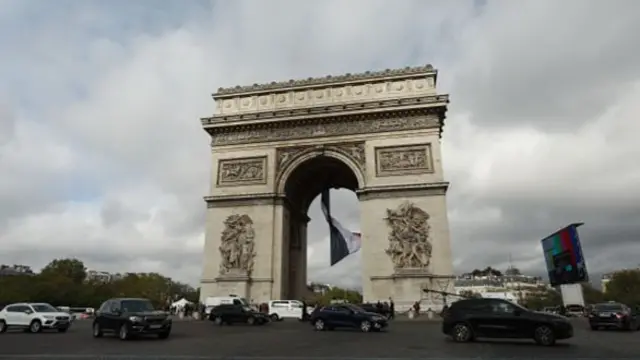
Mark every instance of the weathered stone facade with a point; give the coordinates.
(377, 133)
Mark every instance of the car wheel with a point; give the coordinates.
(365, 326)
(97, 330)
(543, 335)
(3, 326)
(63, 330)
(218, 320)
(251, 320)
(274, 317)
(164, 335)
(123, 334)
(462, 333)
(319, 325)
(35, 326)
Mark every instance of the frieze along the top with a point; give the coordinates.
(327, 80)
(420, 101)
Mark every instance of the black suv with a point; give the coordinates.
(347, 315)
(131, 317)
(614, 315)
(230, 314)
(468, 319)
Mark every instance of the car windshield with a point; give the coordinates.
(132, 306)
(42, 308)
(608, 307)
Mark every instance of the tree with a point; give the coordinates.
(624, 287)
(72, 269)
(63, 282)
(592, 295)
(541, 298)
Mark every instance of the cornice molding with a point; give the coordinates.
(348, 78)
(402, 191)
(437, 102)
(309, 128)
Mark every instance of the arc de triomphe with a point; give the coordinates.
(276, 146)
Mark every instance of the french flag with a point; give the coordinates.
(343, 242)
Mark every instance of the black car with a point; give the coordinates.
(347, 315)
(131, 317)
(231, 314)
(468, 319)
(374, 308)
(614, 315)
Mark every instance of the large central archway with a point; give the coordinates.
(275, 147)
(301, 183)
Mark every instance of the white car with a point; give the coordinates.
(33, 317)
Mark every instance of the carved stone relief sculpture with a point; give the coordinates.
(409, 243)
(244, 171)
(237, 246)
(403, 160)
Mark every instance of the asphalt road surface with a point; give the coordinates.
(294, 340)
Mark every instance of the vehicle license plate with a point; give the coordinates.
(155, 326)
(604, 315)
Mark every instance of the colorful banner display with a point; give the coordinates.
(563, 256)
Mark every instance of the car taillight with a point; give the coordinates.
(620, 315)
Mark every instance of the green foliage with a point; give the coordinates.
(592, 295)
(64, 282)
(541, 298)
(624, 287)
(335, 293)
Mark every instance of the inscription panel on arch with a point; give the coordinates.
(242, 171)
(403, 160)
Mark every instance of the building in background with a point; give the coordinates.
(102, 276)
(511, 285)
(11, 270)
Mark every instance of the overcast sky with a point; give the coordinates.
(102, 155)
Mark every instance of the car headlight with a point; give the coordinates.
(135, 319)
(48, 317)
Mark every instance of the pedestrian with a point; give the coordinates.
(304, 315)
(392, 309)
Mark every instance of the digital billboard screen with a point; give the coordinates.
(564, 258)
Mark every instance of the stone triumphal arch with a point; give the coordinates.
(276, 146)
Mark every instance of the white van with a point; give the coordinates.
(285, 309)
(213, 301)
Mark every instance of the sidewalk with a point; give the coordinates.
(422, 317)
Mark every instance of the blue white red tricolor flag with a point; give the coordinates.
(343, 242)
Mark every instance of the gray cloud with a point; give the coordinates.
(100, 141)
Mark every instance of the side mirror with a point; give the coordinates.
(116, 311)
(28, 312)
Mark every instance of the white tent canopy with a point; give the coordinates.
(181, 303)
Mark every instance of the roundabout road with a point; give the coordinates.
(294, 340)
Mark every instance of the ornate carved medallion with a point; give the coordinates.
(237, 247)
(409, 244)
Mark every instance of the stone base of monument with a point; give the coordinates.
(234, 282)
(406, 286)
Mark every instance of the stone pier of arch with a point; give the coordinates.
(275, 147)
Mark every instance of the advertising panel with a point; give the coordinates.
(563, 256)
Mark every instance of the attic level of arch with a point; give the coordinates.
(314, 82)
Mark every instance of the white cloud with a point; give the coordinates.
(102, 155)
